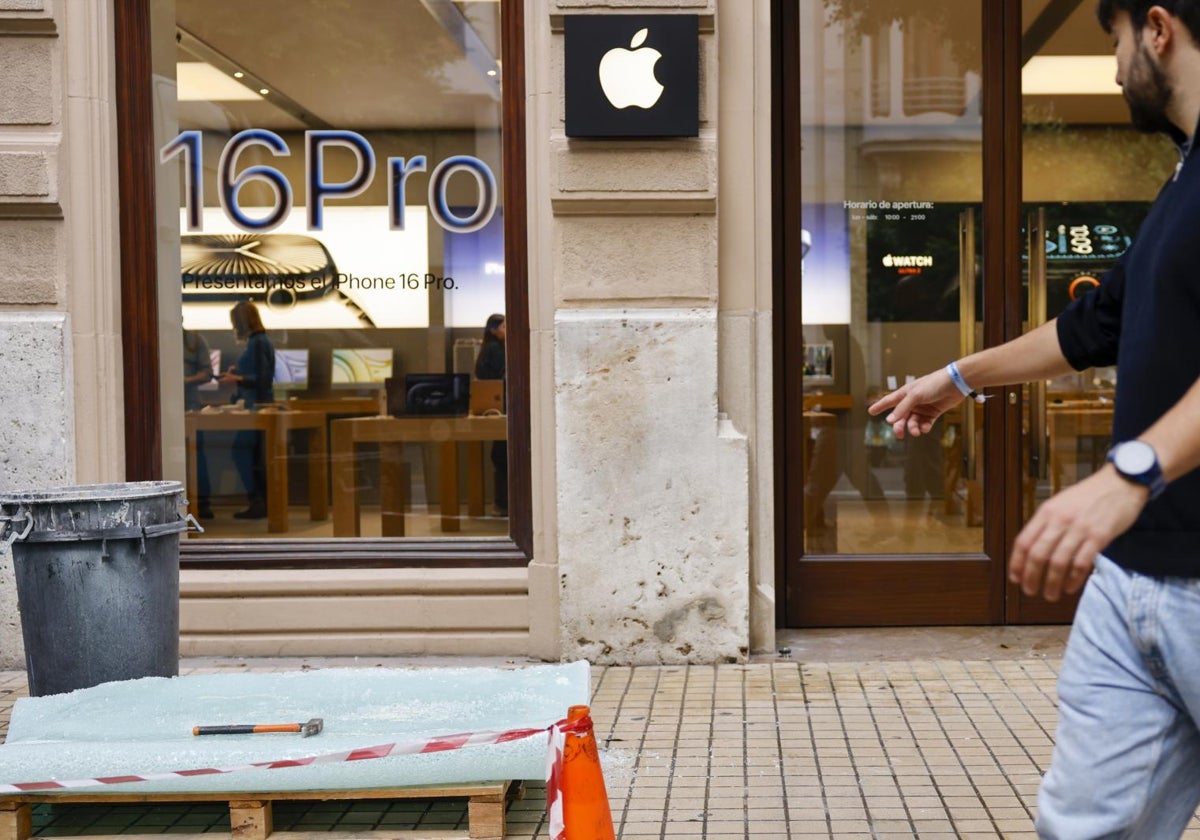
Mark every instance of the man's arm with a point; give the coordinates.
(1056, 549)
(1176, 437)
(202, 361)
(915, 407)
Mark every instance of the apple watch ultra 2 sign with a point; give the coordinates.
(632, 75)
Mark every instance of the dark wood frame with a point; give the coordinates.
(137, 163)
(904, 589)
(785, 213)
(139, 251)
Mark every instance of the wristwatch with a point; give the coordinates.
(1136, 461)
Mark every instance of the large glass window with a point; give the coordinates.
(332, 266)
(891, 189)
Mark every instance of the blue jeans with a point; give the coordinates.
(250, 459)
(1127, 753)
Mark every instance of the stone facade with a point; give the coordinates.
(59, 307)
(651, 543)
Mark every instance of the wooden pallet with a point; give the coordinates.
(250, 813)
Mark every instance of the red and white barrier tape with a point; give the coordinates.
(429, 745)
(554, 766)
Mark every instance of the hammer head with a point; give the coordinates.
(312, 727)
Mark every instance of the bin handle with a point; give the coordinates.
(189, 521)
(10, 534)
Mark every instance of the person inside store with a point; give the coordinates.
(197, 371)
(253, 379)
(1126, 759)
(490, 365)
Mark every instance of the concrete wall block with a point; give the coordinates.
(26, 77)
(31, 260)
(636, 257)
(682, 167)
(36, 433)
(24, 175)
(653, 508)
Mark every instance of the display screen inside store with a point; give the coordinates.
(914, 258)
(331, 243)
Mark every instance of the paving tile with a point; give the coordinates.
(928, 749)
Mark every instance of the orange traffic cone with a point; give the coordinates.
(586, 815)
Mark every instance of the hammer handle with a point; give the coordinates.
(246, 728)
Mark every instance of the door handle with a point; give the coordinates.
(1036, 232)
(966, 326)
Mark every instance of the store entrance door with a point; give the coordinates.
(881, 146)
(914, 227)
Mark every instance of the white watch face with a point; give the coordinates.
(1134, 458)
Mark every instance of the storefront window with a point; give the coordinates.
(891, 195)
(332, 266)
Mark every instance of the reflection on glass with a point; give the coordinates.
(1089, 180)
(342, 170)
(891, 185)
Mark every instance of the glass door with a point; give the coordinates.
(1088, 180)
(882, 155)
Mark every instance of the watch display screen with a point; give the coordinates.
(1134, 458)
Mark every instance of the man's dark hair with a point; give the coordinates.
(1187, 11)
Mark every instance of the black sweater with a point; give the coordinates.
(1145, 318)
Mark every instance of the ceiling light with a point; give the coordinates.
(491, 72)
(1070, 74)
(238, 74)
(263, 91)
(199, 81)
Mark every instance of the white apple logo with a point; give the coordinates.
(627, 76)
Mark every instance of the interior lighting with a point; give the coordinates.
(237, 74)
(263, 91)
(1070, 75)
(199, 81)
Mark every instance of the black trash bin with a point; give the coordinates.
(97, 570)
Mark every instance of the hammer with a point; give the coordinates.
(305, 729)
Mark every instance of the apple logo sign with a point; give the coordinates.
(627, 75)
(631, 75)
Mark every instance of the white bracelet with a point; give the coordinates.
(961, 384)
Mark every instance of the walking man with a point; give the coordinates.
(1127, 755)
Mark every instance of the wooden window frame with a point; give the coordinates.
(136, 169)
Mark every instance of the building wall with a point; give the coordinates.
(653, 344)
(650, 365)
(61, 418)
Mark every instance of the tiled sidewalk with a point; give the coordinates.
(774, 749)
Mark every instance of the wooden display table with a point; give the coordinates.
(337, 405)
(1066, 423)
(276, 425)
(391, 433)
(820, 472)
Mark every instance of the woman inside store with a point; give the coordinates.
(254, 377)
(490, 365)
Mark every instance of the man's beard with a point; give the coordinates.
(1147, 94)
